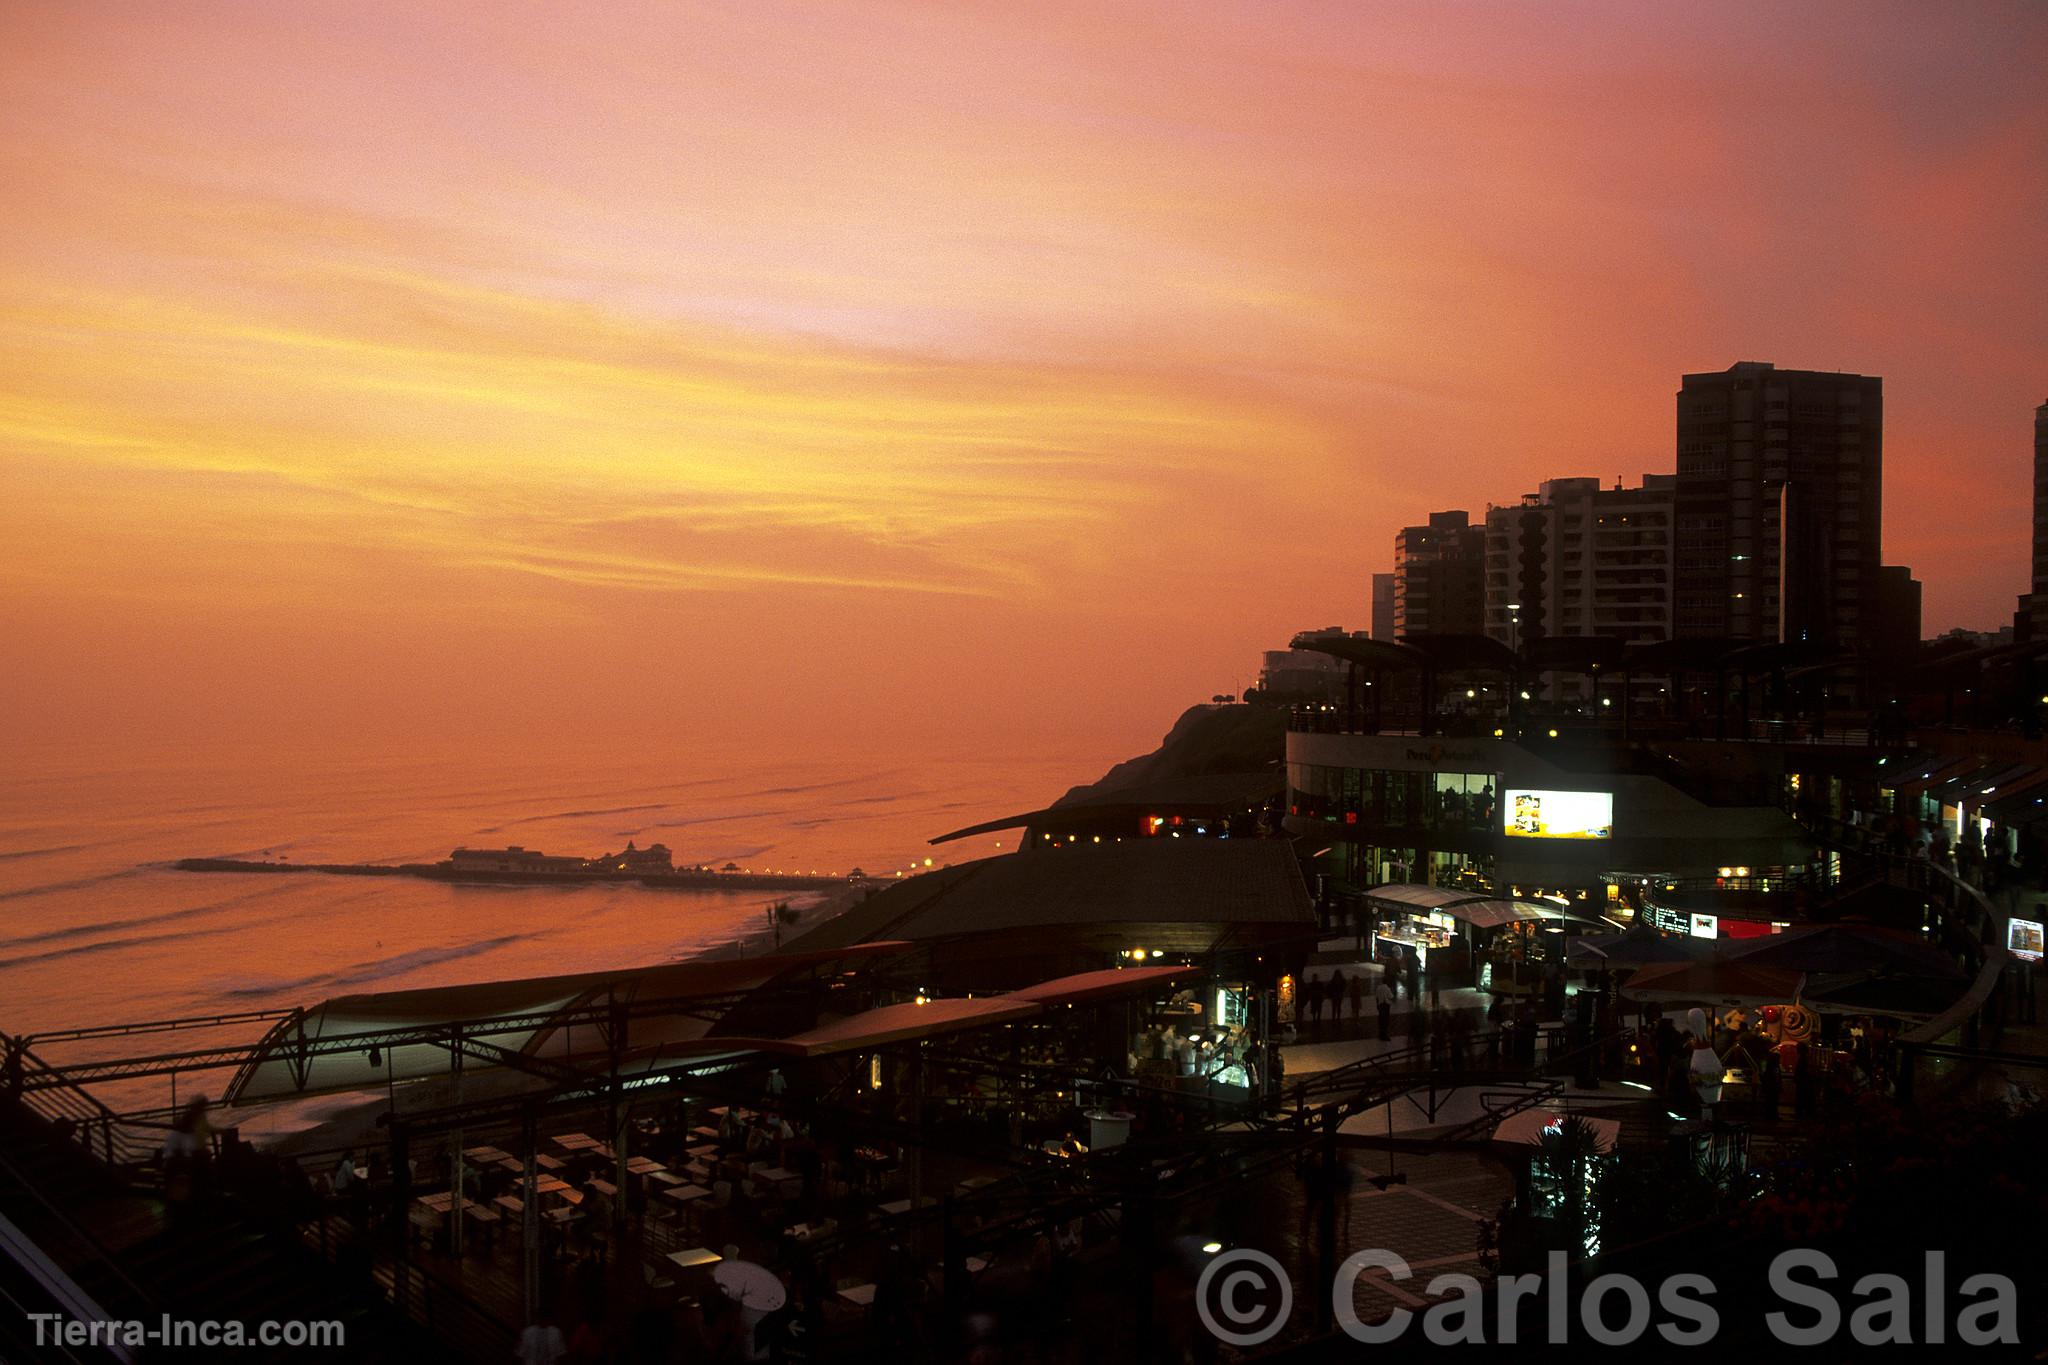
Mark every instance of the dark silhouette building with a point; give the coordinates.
(1895, 630)
(1440, 577)
(1383, 607)
(2035, 608)
(1779, 505)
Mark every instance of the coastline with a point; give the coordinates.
(820, 909)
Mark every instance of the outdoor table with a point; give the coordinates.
(575, 1141)
(896, 1206)
(513, 1164)
(547, 1163)
(778, 1177)
(703, 1131)
(663, 1177)
(511, 1203)
(976, 1182)
(643, 1165)
(481, 1155)
(860, 1295)
(440, 1202)
(604, 1187)
(479, 1212)
(694, 1257)
(564, 1216)
(703, 1149)
(549, 1184)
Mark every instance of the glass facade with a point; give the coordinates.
(1393, 799)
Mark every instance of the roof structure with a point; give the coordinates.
(917, 1020)
(529, 1018)
(1365, 653)
(908, 1022)
(1414, 896)
(1473, 907)
(1207, 882)
(1491, 914)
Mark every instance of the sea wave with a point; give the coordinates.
(571, 815)
(140, 941)
(75, 884)
(378, 969)
(106, 926)
(8, 855)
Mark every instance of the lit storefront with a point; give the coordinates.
(1497, 818)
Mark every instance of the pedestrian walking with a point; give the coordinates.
(1384, 998)
(1354, 985)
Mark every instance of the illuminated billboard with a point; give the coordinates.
(2023, 939)
(1558, 815)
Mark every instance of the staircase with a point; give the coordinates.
(227, 1263)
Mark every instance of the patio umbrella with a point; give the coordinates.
(1640, 946)
(1847, 948)
(1714, 981)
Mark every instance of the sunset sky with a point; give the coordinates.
(912, 374)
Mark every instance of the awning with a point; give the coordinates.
(1926, 772)
(907, 1022)
(1102, 985)
(1491, 914)
(524, 1017)
(2006, 782)
(2028, 806)
(1973, 781)
(1411, 896)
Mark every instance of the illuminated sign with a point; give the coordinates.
(1670, 921)
(1558, 815)
(1706, 926)
(2024, 939)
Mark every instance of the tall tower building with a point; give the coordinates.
(1779, 505)
(1440, 577)
(2037, 601)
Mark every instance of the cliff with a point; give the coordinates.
(1206, 741)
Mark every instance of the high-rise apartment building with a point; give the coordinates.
(1578, 559)
(1779, 505)
(1440, 577)
(2036, 606)
(1382, 607)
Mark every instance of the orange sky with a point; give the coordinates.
(927, 374)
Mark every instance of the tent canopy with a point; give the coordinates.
(1412, 896)
(1491, 914)
(1473, 907)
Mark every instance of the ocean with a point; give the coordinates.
(95, 927)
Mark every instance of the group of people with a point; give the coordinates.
(1327, 996)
